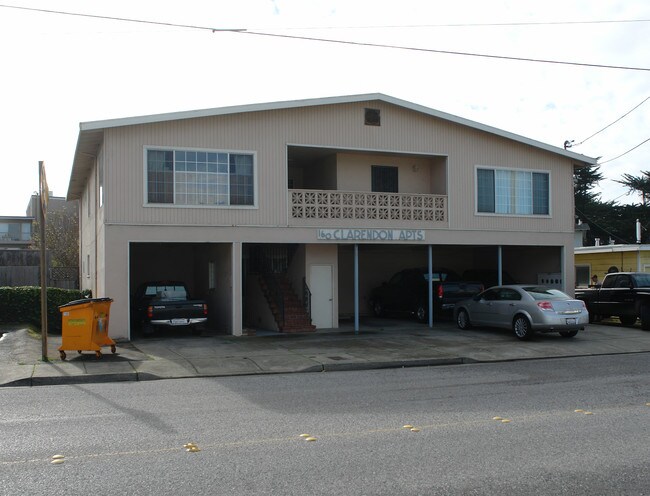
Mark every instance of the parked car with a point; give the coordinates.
(407, 292)
(157, 304)
(525, 309)
(625, 295)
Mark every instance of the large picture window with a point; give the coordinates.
(184, 177)
(513, 192)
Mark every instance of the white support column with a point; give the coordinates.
(499, 265)
(356, 288)
(430, 285)
(236, 295)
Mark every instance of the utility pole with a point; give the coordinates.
(44, 196)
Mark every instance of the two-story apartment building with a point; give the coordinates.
(331, 196)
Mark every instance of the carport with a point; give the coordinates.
(206, 269)
(363, 267)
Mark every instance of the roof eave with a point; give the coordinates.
(258, 107)
(88, 144)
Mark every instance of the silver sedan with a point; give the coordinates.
(525, 309)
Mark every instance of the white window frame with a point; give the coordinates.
(512, 169)
(146, 203)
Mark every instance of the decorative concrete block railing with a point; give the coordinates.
(362, 206)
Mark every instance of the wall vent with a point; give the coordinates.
(372, 117)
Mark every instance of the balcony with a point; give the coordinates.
(319, 208)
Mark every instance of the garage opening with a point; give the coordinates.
(204, 268)
(384, 270)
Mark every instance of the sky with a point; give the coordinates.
(59, 70)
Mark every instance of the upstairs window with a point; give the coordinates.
(512, 192)
(384, 179)
(185, 177)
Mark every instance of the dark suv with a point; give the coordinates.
(407, 293)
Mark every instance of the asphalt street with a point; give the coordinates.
(577, 425)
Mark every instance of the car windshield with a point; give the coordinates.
(170, 292)
(543, 293)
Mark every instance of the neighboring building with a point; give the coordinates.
(20, 258)
(331, 195)
(18, 263)
(54, 204)
(15, 232)
(62, 239)
(599, 260)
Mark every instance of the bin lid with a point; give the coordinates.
(85, 300)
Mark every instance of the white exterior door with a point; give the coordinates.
(320, 280)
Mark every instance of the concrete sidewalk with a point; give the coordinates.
(379, 344)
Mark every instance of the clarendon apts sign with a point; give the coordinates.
(371, 234)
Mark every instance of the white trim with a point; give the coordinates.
(145, 196)
(496, 214)
(377, 151)
(260, 107)
(611, 248)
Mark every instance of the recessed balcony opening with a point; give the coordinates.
(371, 186)
(355, 170)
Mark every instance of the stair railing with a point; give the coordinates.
(306, 297)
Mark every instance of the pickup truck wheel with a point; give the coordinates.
(645, 317)
(522, 328)
(462, 319)
(568, 334)
(421, 313)
(627, 320)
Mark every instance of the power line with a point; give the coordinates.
(469, 25)
(121, 19)
(325, 40)
(447, 52)
(600, 227)
(393, 26)
(570, 144)
(625, 153)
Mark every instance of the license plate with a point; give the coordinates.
(571, 321)
(183, 321)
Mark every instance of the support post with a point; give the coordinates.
(499, 265)
(430, 283)
(356, 288)
(43, 190)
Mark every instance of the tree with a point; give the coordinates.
(61, 238)
(639, 184)
(608, 220)
(585, 179)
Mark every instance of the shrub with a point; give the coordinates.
(22, 305)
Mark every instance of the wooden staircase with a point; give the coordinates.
(289, 313)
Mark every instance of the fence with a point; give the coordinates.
(21, 268)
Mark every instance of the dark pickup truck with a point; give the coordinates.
(625, 295)
(407, 292)
(158, 304)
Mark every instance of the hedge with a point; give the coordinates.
(22, 305)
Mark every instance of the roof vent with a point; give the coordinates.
(372, 117)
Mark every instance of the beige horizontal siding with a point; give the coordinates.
(267, 133)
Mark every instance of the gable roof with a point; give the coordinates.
(91, 133)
